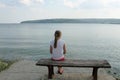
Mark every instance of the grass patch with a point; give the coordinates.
(5, 64)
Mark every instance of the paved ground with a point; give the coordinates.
(26, 70)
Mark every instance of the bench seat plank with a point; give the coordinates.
(75, 63)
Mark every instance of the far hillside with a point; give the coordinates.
(101, 21)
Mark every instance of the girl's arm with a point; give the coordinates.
(50, 49)
(64, 49)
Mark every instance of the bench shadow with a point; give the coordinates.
(68, 76)
(77, 76)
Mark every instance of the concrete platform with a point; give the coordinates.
(27, 70)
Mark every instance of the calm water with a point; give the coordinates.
(84, 41)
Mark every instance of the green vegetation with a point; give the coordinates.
(4, 64)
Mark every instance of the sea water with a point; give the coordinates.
(83, 41)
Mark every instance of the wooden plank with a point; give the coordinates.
(75, 63)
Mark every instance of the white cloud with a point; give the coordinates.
(114, 4)
(29, 2)
(26, 2)
(2, 5)
(102, 3)
(41, 1)
(73, 4)
(108, 1)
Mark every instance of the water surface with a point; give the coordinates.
(84, 41)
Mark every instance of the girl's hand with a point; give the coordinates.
(64, 48)
(51, 49)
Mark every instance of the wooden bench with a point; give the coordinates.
(95, 64)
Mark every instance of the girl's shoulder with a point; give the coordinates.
(51, 41)
(61, 40)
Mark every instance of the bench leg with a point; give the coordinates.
(94, 74)
(50, 71)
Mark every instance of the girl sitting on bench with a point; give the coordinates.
(58, 49)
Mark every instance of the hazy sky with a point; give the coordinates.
(12, 11)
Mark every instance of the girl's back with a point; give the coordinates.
(58, 49)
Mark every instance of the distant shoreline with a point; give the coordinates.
(89, 21)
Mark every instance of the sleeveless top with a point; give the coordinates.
(57, 53)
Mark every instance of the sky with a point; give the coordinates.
(15, 11)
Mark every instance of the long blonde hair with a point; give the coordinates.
(57, 36)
